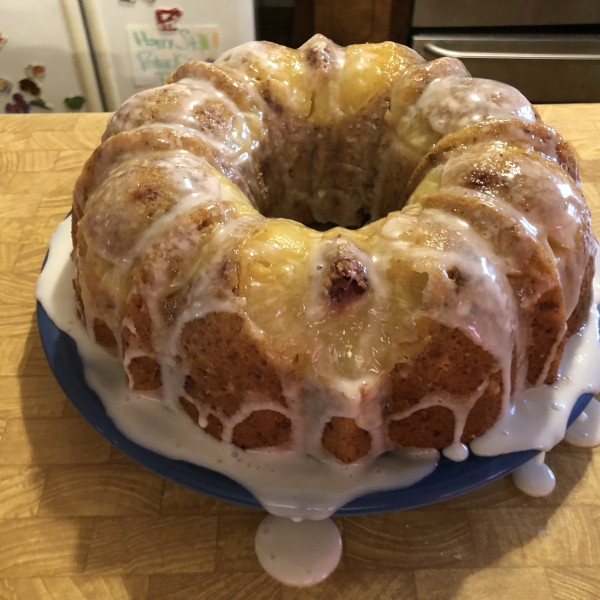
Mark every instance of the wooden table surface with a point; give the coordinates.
(79, 520)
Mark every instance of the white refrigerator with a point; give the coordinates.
(137, 43)
(45, 59)
(91, 55)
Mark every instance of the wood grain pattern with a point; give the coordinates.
(79, 520)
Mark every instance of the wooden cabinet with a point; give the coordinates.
(359, 21)
(344, 21)
(353, 21)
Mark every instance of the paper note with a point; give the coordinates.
(155, 54)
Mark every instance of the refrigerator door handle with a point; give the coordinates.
(440, 51)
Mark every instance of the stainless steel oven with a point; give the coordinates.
(549, 49)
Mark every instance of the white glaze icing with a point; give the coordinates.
(585, 431)
(554, 219)
(483, 308)
(298, 554)
(456, 452)
(451, 103)
(423, 113)
(199, 107)
(535, 478)
(549, 405)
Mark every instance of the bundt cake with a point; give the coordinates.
(335, 251)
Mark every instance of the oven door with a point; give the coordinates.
(544, 68)
(504, 13)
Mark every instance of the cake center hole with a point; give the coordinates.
(323, 226)
(317, 226)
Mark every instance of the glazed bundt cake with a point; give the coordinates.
(461, 258)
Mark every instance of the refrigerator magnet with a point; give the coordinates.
(41, 103)
(5, 85)
(166, 18)
(35, 71)
(74, 102)
(29, 86)
(18, 105)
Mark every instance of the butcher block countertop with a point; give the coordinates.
(79, 520)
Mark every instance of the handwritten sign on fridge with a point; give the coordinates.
(155, 54)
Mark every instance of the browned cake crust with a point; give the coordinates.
(346, 441)
(149, 141)
(449, 362)
(537, 136)
(226, 362)
(546, 316)
(579, 316)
